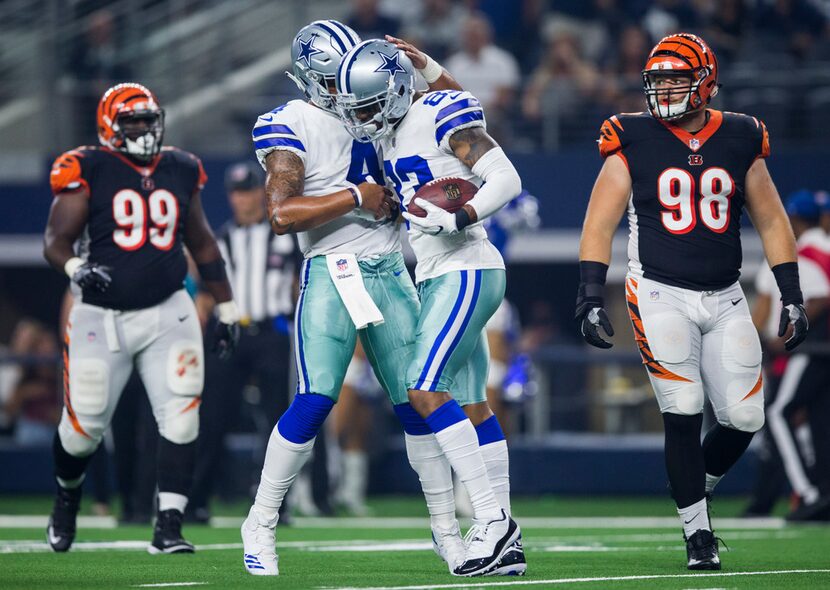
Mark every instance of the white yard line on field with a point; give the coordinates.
(468, 585)
(170, 584)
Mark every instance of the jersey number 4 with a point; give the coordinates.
(676, 192)
(157, 217)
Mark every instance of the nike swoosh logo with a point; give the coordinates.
(688, 521)
(267, 117)
(736, 301)
(183, 317)
(53, 540)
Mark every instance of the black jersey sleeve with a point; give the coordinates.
(192, 163)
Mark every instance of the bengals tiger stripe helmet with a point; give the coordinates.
(680, 56)
(131, 121)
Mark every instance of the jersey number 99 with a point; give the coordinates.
(137, 219)
(676, 192)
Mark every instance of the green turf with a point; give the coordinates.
(553, 554)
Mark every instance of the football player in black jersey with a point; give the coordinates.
(684, 173)
(130, 206)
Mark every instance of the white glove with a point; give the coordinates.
(437, 220)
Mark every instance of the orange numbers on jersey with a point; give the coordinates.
(138, 219)
(676, 192)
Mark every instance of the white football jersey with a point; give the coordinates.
(417, 152)
(333, 161)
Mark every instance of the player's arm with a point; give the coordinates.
(435, 75)
(606, 206)
(200, 242)
(764, 207)
(290, 211)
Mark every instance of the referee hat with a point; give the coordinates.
(243, 176)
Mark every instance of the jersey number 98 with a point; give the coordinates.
(676, 192)
(131, 214)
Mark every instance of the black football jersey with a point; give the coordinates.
(687, 194)
(136, 218)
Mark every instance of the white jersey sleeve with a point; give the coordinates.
(462, 111)
(280, 129)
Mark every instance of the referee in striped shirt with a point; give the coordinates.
(262, 269)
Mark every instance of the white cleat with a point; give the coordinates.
(448, 545)
(259, 546)
(487, 542)
(512, 563)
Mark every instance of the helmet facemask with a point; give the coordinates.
(139, 134)
(316, 86)
(373, 117)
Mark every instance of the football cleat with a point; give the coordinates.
(167, 534)
(702, 551)
(60, 532)
(258, 546)
(487, 542)
(448, 545)
(512, 563)
(811, 512)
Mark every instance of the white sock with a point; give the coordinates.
(711, 482)
(172, 500)
(283, 461)
(354, 478)
(497, 461)
(70, 484)
(460, 445)
(434, 472)
(695, 518)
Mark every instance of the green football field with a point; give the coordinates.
(572, 543)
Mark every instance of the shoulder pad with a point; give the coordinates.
(189, 159)
(752, 127)
(66, 175)
(611, 136)
(278, 129)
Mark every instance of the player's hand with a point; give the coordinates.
(377, 199)
(415, 55)
(591, 315)
(93, 276)
(793, 314)
(225, 339)
(437, 220)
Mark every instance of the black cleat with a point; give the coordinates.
(817, 511)
(167, 535)
(512, 563)
(60, 533)
(702, 551)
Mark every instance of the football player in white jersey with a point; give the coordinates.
(322, 185)
(460, 274)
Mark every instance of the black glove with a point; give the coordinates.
(225, 338)
(794, 314)
(591, 315)
(93, 276)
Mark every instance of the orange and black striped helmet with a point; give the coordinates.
(131, 121)
(680, 56)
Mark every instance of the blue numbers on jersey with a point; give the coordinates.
(364, 164)
(404, 170)
(436, 97)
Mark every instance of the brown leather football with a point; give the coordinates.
(448, 193)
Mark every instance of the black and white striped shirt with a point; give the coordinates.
(261, 267)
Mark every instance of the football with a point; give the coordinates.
(448, 193)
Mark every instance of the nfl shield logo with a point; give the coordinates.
(694, 143)
(655, 295)
(342, 264)
(452, 191)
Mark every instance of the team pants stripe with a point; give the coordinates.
(302, 372)
(453, 329)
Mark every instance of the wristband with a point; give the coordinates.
(462, 219)
(227, 312)
(72, 265)
(213, 271)
(432, 71)
(592, 273)
(356, 195)
(786, 276)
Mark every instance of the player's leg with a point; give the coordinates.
(324, 339)
(389, 348)
(471, 385)
(663, 319)
(732, 379)
(96, 368)
(171, 366)
(454, 310)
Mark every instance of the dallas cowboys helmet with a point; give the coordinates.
(375, 84)
(316, 52)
